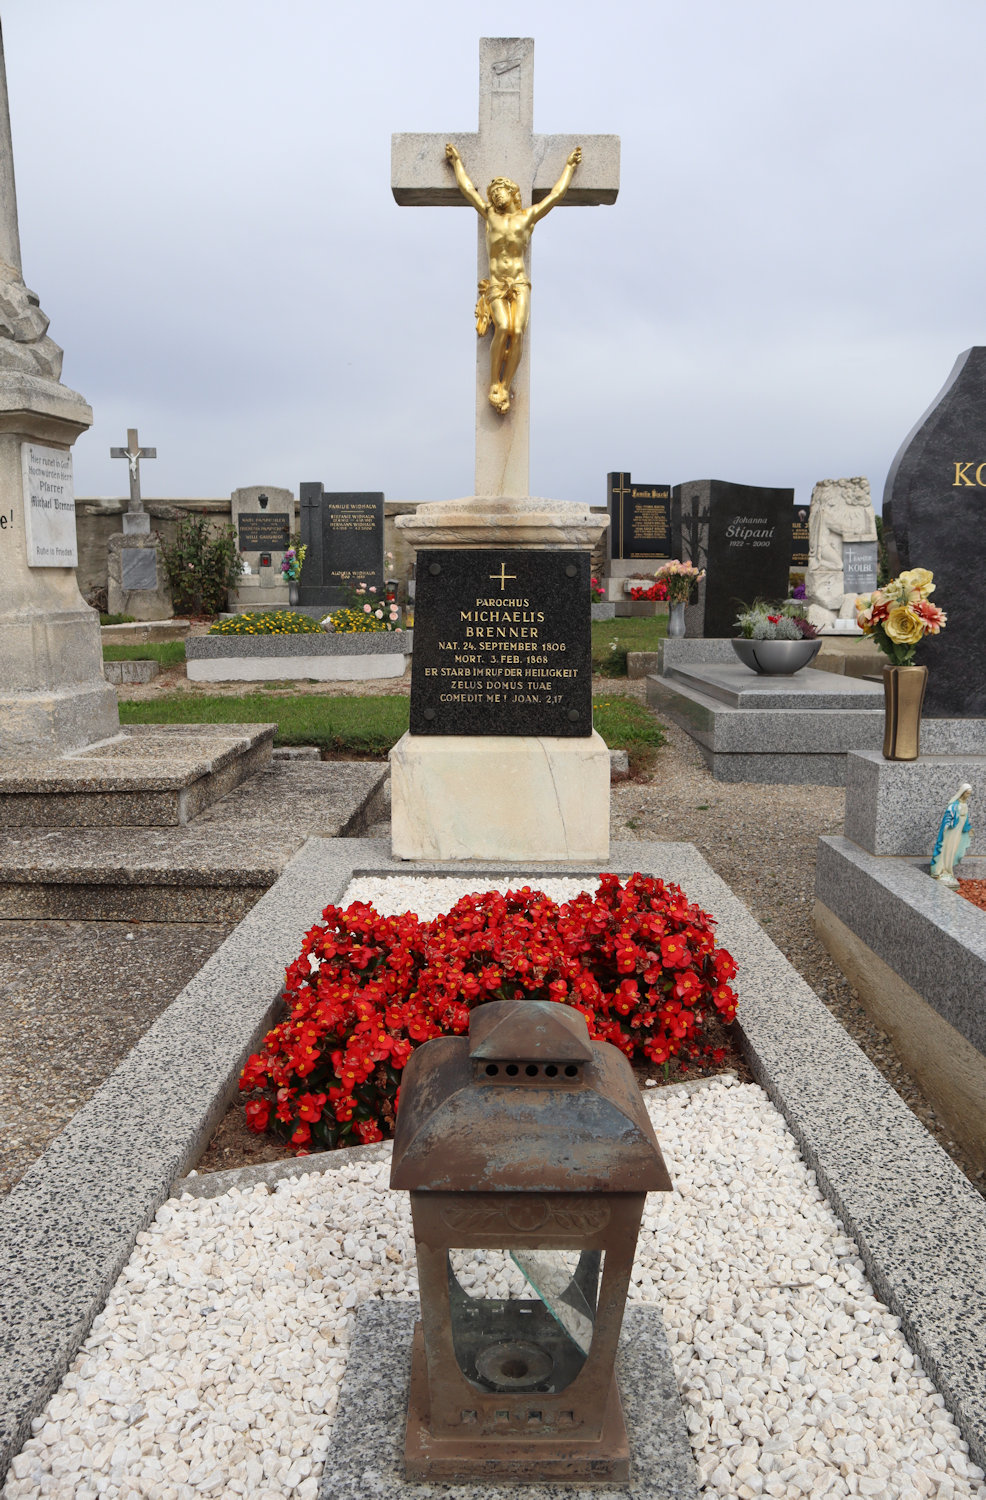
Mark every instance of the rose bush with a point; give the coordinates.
(638, 960)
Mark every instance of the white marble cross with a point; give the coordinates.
(504, 146)
(133, 453)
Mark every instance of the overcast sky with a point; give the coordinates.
(794, 262)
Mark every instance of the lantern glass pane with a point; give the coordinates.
(513, 1340)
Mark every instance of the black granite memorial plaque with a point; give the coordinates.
(741, 535)
(799, 536)
(343, 532)
(501, 643)
(639, 520)
(262, 533)
(937, 490)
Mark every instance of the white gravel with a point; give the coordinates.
(429, 896)
(214, 1367)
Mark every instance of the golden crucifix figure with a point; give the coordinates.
(505, 299)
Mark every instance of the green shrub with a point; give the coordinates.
(273, 622)
(202, 565)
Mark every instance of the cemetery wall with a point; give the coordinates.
(98, 518)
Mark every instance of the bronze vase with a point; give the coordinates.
(903, 695)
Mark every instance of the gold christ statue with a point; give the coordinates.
(505, 299)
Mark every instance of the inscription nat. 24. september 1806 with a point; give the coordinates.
(502, 644)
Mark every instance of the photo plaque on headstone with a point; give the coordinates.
(640, 520)
(49, 507)
(502, 644)
(343, 533)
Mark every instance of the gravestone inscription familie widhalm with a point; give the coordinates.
(936, 493)
(502, 643)
(741, 535)
(343, 534)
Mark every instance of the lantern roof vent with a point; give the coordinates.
(528, 1031)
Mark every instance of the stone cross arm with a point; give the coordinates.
(420, 175)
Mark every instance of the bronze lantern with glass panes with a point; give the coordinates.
(528, 1144)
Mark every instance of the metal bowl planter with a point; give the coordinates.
(776, 658)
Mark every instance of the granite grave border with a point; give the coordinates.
(68, 1228)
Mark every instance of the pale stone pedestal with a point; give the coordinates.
(489, 796)
(53, 696)
(502, 797)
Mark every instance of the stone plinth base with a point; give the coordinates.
(365, 1455)
(503, 797)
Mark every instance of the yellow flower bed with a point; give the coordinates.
(277, 622)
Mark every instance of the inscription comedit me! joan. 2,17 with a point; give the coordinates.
(502, 643)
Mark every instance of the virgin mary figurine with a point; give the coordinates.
(954, 833)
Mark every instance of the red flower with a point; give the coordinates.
(257, 1114)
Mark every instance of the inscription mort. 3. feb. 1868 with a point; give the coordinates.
(502, 643)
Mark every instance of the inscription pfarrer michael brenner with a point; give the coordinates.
(502, 643)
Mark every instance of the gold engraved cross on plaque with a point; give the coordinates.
(502, 576)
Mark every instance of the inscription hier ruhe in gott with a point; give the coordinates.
(497, 662)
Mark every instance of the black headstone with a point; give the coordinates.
(343, 533)
(639, 520)
(937, 490)
(799, 536)
(501, 643)
(741, 535)
(264, 532)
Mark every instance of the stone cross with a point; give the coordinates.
(504, 146)
(133, 453)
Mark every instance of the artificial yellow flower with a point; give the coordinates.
(918, 581)
(903, 626)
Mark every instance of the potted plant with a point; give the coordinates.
(679, 579)
(775, 640)
(898, 617)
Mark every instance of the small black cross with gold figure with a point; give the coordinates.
(502, 576)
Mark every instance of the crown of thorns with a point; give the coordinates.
(504, 182)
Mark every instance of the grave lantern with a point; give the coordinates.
(530, 1144)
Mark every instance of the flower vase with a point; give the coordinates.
(293, 594)
(676, 618)
(903, 695)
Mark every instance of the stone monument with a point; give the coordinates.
(137, 580)
(640, 531)
(52, 693)
(842, 552)
(264, 518)
(342, 533)
(502, 760)
(741, 535)
(936, 491)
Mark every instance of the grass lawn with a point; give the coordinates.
(612, 639)
(168, 653)
(368, 727)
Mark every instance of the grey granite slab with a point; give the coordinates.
(148, 775)
(929, 935)
(216, 865)
(680, 650)
(735, 685)
(323, 643)
(70, 1224)
(366, 1454)
(896, 806)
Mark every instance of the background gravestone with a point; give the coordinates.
(799, 537)
(343, 532)
(640, 535)
(136, 578)
(937, 490)
(741, 535)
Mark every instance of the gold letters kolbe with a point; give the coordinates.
(962, 477)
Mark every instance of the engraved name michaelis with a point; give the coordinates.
(529, 670)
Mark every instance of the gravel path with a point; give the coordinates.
(215, 1365)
